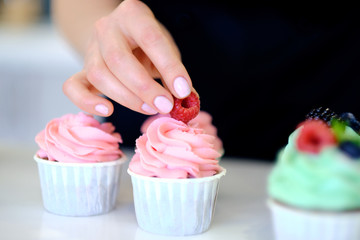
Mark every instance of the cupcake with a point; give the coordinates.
(314, 187)
(79, 163)
(202, 120)
(175, 176)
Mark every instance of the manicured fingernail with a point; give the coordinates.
(163, 104)
(148, 109)
(181, 87)
(101, 108)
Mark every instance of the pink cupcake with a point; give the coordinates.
(175, 176)
(203, 120)
(79, 164)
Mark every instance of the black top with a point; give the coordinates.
(259, 71)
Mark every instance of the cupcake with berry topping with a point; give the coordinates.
(203, 120)
(175, 176)
(79, 163)
(314, 187)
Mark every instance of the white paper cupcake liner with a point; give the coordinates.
(175, 207)
(296, 224)
(79, 189)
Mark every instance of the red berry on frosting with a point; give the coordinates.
(186, 109)
(314, 135)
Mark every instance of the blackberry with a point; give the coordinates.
(350, 149)
(321, 113)
(351, 121)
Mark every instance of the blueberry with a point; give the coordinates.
(350, 148)
(351, 121)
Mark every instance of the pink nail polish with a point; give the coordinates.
(101, 108)
(181, 87)
(163, 104)
(148, 109)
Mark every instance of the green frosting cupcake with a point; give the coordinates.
(327, 179)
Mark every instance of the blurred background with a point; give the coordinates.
(34, 63)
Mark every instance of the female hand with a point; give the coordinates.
(128, 49)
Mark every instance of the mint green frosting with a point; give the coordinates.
(327, 181)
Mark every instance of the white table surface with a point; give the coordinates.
(241, 211)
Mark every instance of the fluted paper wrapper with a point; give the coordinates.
(297, 224)
(79, 189)
(175, 207)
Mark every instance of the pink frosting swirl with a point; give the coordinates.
(78, 138)
(172, 149)
(202, 120)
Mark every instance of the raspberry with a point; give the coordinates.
(186, 109)
(314, 135)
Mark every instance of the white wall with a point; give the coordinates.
(34, 63)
